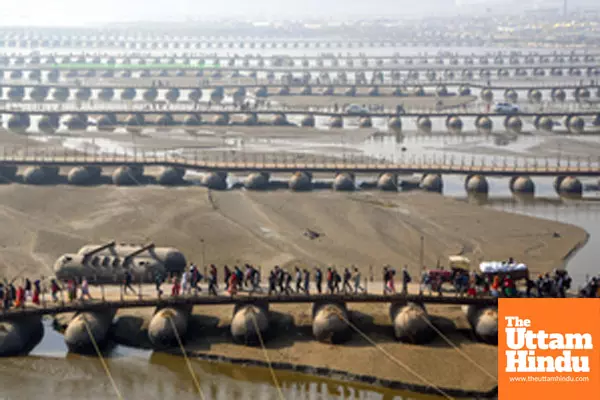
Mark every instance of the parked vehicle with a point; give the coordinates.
(356, 109)
(507, 108)
(517, 271)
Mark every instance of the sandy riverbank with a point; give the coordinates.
(267, 228)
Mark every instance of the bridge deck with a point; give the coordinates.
(189, 108)
(80, 306)
(140, 53)
(135, 83)
(384, 67)
(537, 169)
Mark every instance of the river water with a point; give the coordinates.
(51, 373)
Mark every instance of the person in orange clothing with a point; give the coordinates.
(20, 300)
(233, 282)
(496, 286)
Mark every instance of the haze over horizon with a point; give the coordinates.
(81, 13)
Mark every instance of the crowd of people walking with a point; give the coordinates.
(475, 284)
(296, 280)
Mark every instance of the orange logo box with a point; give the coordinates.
(548, 349)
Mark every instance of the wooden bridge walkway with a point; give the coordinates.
(125, 107)
(97, 306)
(283, 69)
(200, 161)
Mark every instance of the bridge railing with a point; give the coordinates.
(196, 159)
(383, 110)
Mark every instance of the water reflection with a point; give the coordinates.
(50, 371)
(224, 381)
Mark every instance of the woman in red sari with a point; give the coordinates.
(233, 282)
(20, 300)
(36, 293)
(176, 287)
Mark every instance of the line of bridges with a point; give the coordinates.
(190, 108)
(502, 69)
(265, 83)
(12, 42)
(290, 60)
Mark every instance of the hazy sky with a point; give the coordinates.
(78, 12)
(82, 12)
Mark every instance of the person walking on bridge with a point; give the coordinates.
(176, 288)
(330, 278)
(273, 281)
(386, 278)
(337, 279)
(390, 287)
(185, 286)
(12, 292)
(255, 280)
(298, 280)
(318, 280)
(248, 275)
(20, 300)
(288, 283)
(54, 289)
(306, 281)
(212, 283)
(85, 290)
(71, 290)
(406, 279)
(158, 281)
(233, 284)
(357, 278)
(347, 277)
(127, 282)
(195, 278)
(239, 277)
(36, 292)
(226, 276)
(27, 288)
(280, 278)
(5, 292)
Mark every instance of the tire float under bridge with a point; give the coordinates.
(20, 59)
(191, 119)
(413, 72)
(54, 92)
(44, 168)
(251, 321)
